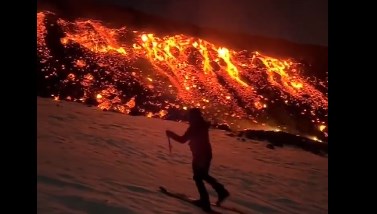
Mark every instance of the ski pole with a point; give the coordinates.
(169, 145)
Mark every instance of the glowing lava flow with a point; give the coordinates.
(180, 72)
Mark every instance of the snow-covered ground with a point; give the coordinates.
(96, 162)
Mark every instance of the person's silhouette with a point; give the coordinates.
(201, 149)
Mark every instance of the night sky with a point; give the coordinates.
(301, 21)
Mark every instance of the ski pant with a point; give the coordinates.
(201, 173)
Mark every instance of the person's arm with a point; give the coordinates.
(181, 139)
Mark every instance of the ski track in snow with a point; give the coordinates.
(96, 162)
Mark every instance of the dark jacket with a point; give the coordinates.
(198, 136)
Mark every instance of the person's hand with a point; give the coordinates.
(169, 133)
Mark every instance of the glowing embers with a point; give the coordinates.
(186, 71)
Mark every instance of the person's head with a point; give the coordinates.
(194, 115)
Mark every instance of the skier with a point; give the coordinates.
(200, 146)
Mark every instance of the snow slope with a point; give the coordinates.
(90, 161)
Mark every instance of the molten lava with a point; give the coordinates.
(177, 72)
